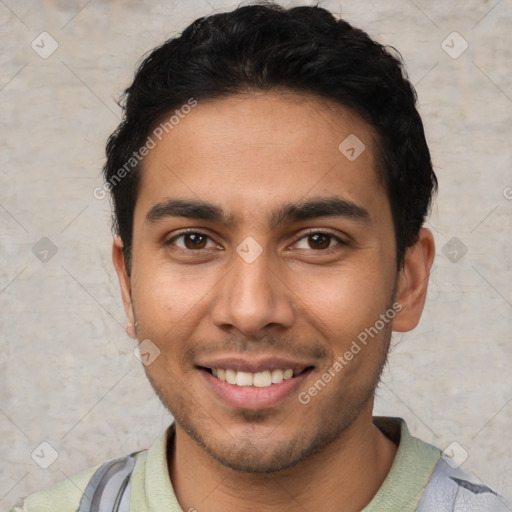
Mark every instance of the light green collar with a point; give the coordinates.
(413, 464)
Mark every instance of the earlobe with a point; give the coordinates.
(412, 282)
(124, 283)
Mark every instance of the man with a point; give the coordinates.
(270, 182)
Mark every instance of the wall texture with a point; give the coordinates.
(69, 378)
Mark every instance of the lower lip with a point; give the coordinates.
(250, 397)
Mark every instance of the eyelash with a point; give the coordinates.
(184, 233)
(312, 232)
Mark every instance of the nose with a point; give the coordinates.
(253, 298)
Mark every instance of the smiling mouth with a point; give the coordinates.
(263, 379)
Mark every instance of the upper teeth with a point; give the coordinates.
(259, 379)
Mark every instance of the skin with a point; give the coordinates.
(302, 297)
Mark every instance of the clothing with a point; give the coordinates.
(420, 480)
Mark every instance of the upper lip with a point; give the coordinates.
(253, 364)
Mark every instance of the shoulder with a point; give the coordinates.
(67, 496)
(64, 496)
(455, 489)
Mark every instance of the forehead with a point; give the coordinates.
(248, 152)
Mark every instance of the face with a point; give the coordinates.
(261, 251)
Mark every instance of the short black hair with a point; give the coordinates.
(266, 47)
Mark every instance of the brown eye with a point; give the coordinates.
(194, 241)
(319, 241)
(191, 241)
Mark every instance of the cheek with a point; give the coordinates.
(343, 302)
(164, 297)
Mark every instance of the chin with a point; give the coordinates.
(250, 457)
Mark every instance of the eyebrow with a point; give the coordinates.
(333, 206)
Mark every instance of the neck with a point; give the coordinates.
(349, 471)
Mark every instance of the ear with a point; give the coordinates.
(124, 283)
(412, 282)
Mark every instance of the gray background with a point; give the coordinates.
(68, 374)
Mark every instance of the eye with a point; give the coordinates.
(192, 240)
(318, 241)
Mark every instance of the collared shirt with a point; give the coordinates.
(420, 480)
